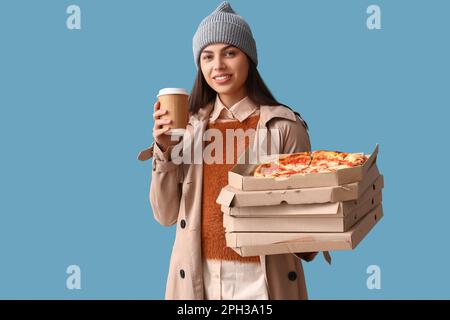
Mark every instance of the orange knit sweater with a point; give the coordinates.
(215, 177)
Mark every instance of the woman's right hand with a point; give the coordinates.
(159, 134)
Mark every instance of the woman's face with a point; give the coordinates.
(225, 68)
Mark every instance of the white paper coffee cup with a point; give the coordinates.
(176, 102)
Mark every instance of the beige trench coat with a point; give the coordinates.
(175, 196)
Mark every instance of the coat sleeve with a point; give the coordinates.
(165, 187)
(294, 137)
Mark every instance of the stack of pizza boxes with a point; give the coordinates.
(300, 213)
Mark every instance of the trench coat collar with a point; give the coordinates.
(267, 113)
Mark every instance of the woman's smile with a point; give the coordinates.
(222, 79)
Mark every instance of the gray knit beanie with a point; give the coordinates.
(224, 26)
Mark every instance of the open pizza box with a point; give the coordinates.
(241, 175)
(267, 243)
(232, 197)
(328, 222)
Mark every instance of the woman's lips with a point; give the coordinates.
(222, 80)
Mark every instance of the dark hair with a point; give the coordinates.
(202, 94)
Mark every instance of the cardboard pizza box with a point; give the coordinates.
(327, 209)
(254, 244)
(241, 178)
(301, 223)
(232, 197)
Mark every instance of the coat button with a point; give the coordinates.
(292, 275)
(183, 224)
(182, 274)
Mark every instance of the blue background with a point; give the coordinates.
(76, 107)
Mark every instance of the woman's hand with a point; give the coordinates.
(307, 256)
(163, 140)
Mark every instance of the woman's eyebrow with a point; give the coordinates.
(227, 47)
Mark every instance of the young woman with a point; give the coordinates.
(228, 94)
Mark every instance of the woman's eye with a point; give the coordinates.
(228, 54)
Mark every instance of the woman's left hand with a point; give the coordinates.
(307, 256)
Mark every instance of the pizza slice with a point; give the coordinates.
(323, 168)
(328, 155)
(295, 160)
(266, 169)
(273, 170)
(356, 159)
(284, 166)
(337, 160)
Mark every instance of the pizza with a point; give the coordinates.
(294, 160)
(320, 161)
(267, 169)
(285, 165)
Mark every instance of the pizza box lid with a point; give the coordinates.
(300, 223)
(265, 243)
(232, 197)
(327, 209)
(240, 176)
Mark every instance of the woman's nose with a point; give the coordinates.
(218, 64)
